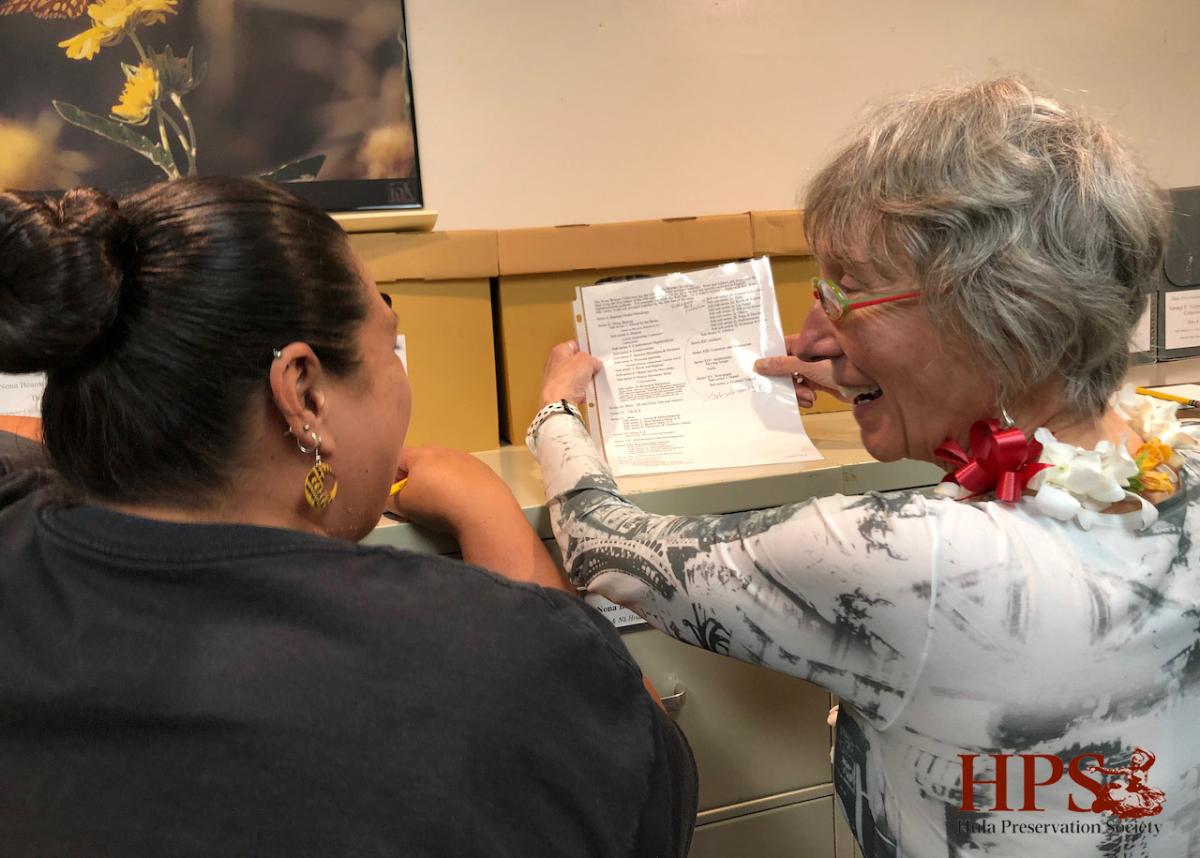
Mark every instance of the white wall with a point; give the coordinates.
(542, 112)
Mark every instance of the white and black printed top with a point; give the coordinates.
(947, 628)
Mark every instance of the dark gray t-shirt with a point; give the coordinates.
(174, 690)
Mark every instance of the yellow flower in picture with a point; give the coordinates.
(111, 20)
(119, 14)
(138, 97)
(88, 43)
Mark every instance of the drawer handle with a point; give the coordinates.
(674, 702)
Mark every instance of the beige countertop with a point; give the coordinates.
(846, 468)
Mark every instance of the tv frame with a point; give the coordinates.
(368, 205)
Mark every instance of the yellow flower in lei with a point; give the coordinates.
(1157, 482)
(111, 20)
(1152, 454)
(1152, 477)
(138, 97)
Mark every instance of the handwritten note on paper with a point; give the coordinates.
(678, 390)
(21, 395)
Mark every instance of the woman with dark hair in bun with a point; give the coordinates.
(195, 656)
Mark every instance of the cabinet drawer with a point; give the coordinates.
(754, 732)
(802, 830)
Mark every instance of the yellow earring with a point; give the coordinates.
(320, 486)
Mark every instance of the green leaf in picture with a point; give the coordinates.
(301, 170)
(118, 133)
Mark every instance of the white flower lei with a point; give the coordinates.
(1080, 483)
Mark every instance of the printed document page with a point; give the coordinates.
(678, 391)
(21, 395)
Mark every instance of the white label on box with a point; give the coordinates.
(21, 395)
(615, 614)
(402, 351)
(1140, 340)
(1181, 320)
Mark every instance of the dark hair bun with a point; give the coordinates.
(62, 267)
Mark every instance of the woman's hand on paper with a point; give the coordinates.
(449, 490)
(567, 373)
(808, 377)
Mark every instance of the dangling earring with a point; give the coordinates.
(316, 485)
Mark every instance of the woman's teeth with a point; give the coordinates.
(860, 394)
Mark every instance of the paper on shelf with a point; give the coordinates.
(1140, 340)
(21, 395)
(620, 617)
(401, 350)
(1181, 319)
(678, 391)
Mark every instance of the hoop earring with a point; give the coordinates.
(1006, 421)
(317, 490)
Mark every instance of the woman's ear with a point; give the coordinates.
(298, 389)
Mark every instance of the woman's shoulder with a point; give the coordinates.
(921, 509)
(527, 610)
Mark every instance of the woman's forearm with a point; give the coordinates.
(790, 587)
(503, 542)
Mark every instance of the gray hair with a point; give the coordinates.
(1031, 232)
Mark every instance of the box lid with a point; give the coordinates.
(779, 233)
(428, 255)
(1182, 264)
(576, 247)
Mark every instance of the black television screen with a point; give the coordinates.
(122, 93)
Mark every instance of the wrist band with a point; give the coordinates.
(548, 411)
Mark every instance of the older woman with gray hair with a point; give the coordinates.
(1007, 650)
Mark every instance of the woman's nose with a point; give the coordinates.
(818, 340)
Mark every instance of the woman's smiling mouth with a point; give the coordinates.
(859, 395)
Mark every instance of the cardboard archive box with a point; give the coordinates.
(1178, 323)
(440, 286)
(780, 235)
(540, 268)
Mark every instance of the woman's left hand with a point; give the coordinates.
(808, 377)
(567, 373)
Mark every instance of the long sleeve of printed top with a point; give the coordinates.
(793, 588)
(951, 629)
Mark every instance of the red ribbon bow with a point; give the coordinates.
(1003, 460)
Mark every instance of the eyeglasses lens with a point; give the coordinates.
(829, 300)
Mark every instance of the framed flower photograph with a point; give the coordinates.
(119, 94)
